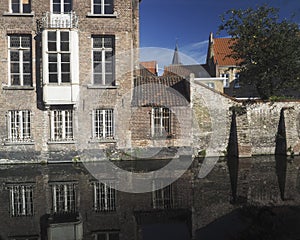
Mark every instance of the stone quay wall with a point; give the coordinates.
(257, 123)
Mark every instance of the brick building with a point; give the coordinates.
(220, 64)
(65, 68)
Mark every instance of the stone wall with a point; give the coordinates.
(257, 123)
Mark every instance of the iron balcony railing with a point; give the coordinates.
(60, 20)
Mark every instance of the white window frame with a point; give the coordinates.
(21, 200)
(106, 234)
(20, 7)
(62, 10)
(103, 50)
(162, 198)
(59, 54)
(161, 130)
(104, 196)
(226, 83)
(64, 198)
(102, 7)
(19, 126)
(61, 122)
(21, 61)
(103, 124)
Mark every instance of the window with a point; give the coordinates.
(61, 6)
(107, 236)
(21, 200)
(104, 197)
(236, 81)
(61, 125)
(19, 60)
(20, 6)
(163, 197)
(19, 126)
(103, 6)
(226, 79)
(63, 196)
(59, 57)
(161, 122)
(103, 63)
(103, 124)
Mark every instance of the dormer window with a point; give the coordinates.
(61, 6)
(20, 6)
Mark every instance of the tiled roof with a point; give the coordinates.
(160, 91)
(221, 50)
(150, 66)
(185, 70)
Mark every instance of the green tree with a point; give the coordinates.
(268, 49)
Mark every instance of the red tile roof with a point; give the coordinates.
(151, 66)
(221, 49)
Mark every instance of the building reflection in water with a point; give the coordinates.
(64, 201)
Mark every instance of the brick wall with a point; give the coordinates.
(124, 26)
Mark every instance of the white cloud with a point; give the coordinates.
(197, 51)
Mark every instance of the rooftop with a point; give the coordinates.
(160, 91)
(222, 50)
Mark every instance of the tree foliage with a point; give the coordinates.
(268, 49)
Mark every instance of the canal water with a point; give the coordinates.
(248, 198)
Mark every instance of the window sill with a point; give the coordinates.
(8, 143)
(8, 14)
(92, 15)
(58, 84)
(18, 88)
(169, 137)
(101, 87)
(61, 142)
(103, 141)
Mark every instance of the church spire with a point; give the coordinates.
(176, 59)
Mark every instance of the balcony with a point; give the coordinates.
(63, 20)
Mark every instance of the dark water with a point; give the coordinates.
(257, 198)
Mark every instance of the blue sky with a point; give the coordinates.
(190, 22)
